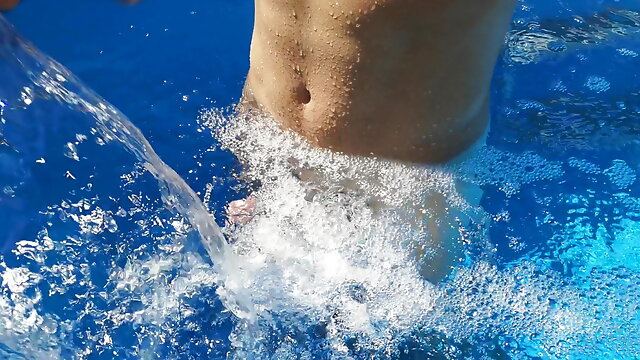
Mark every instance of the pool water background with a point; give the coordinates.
(160, 63)
(581, 102)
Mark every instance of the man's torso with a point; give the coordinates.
(401, 79)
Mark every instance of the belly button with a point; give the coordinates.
(303, 94)
(306, 96)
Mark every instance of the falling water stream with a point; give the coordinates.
(107, 253)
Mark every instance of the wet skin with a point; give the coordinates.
(406, 80)
(400, 79)
(8, 4)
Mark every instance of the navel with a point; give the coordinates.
(302, 94)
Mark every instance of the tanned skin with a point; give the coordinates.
(399, 79)
(8, 4)
(406, 80)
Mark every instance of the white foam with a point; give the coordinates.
(322, 249)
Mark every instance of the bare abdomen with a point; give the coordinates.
(407, 80)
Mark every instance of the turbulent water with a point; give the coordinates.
(112, 246)
(121, 260)
(334, 274)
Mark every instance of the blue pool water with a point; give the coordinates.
(122, 268)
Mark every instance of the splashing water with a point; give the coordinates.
(109, 262)
(336, 267)
(60, 295)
